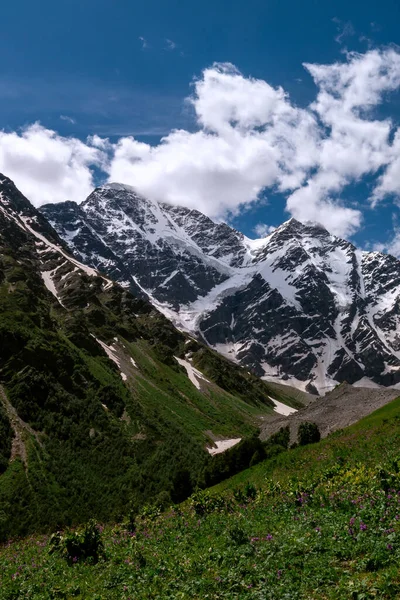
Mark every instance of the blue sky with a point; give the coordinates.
(122, 68)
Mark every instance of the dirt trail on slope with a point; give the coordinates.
(340, 408)
(20, 428)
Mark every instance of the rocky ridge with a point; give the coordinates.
(300, 306)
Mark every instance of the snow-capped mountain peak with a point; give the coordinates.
(299, 305)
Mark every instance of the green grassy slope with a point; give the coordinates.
(86, 431)
(317, 522)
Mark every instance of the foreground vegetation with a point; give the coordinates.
(316, 522)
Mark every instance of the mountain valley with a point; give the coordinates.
(104, 404)
(115, 412)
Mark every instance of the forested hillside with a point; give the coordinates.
(104, 404)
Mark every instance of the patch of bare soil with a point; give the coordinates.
(20, 428)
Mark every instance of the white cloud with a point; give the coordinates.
(47, 167)
(99, 142)
(355, 144)
(144, 42)
(389, 182)
(344, 28)
(262, 230)
(68, 119)
(251, 138)
(170, 44)
(392, 246)
(313, 202)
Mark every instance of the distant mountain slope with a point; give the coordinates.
(103, 403)
(343, 406)
(300, 305)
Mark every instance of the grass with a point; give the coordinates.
(317, 522)
(170, 392)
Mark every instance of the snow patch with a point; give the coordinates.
(47, 277)
(110, 351)
(282, 409)
(56, 248)
(223, 445)
(364, 382)
(193, 374)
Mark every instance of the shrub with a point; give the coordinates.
(204, 503)
(250, 491)
(77, 545)
(308, 434)
(244, 496)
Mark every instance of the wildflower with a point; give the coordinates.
(269, 537)
(390, 530)
(389, 547)
(279, 573)
(363, 526)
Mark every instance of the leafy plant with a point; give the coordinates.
(83, 544)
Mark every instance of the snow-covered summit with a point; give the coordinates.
(299, 305)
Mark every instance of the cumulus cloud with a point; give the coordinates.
(48, 167)
(389, 182)
(250, 138)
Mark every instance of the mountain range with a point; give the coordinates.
(299, 306)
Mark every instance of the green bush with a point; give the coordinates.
(203, 503)
(308, 434)
(83, 544)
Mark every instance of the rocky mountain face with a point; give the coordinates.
(300, 305)
(104, 404)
